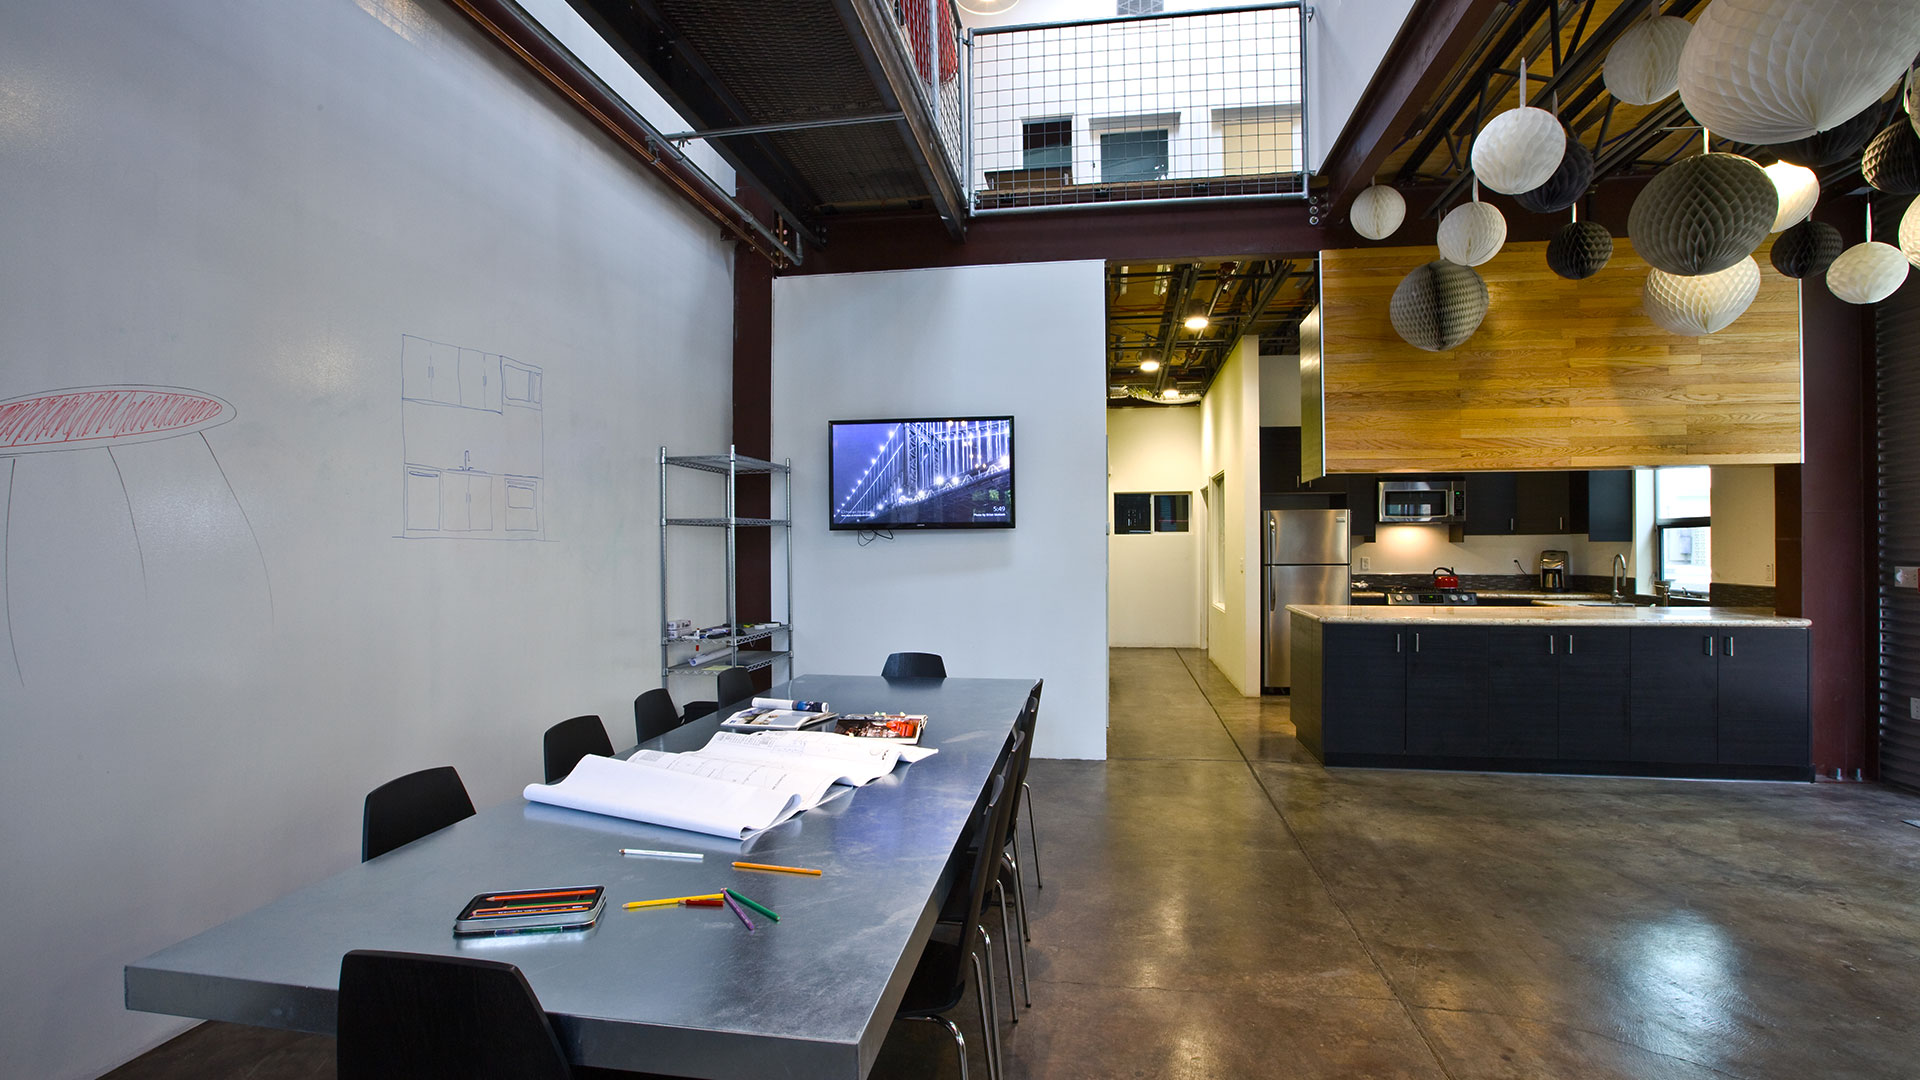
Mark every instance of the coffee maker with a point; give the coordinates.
(1553, 571)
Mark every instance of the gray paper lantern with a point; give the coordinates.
(1703, 214)
(1519, 150)
(1438, 306)
(1704, 303)
(1891, 162)
(1806, 250)
(1644, 64)
(1771, 71)
(1471, 233)
(1377, 211)
(1833, 146)
(1867, 273)
(1580, 250)
(1565, 186)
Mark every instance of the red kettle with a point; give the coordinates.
(1445, 578)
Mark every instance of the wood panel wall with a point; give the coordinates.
(1561, 375)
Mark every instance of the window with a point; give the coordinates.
(1047, 144)
(1133, 155)
(1138, 7)
(1683, 534)
(1216, 497)
(1256, 141)
(1170, 513)
(1130, 514)
(1144, 512)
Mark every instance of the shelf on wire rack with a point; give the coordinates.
(719, 463)
(723, 522)
(756, 634)
(751, 660)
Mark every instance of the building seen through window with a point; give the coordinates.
(1683, 504)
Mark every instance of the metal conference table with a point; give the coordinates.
(672, 990)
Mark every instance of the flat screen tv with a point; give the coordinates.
(949, 472)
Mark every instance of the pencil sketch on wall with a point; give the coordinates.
(473, 444)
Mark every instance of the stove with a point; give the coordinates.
(1432, 597)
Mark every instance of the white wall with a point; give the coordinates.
(1230, 444)
(1416, 549)
(1743, 528)
(223, 641)
(1280, 391)
(1026, 602)
(1154, 585)
(1346, 41)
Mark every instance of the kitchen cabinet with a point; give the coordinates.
(1491, 504)
(1363, 504)
(1762, 680)
(1280, 465)
(1544, 503)
(1599, 504)
(1675, 692)
(1557, 692)
(1594, 694)
(1363, 681)
(1602, 505)
(1447, 691)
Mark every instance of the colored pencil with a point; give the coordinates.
(697, 902)
(781, 869)
(540, 895)
(761, 908)
(738, 910)
(665, 901)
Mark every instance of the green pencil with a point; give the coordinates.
(761, 908)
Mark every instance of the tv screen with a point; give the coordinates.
(942, 473)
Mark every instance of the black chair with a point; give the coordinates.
(401, 811)
(570, 740)
(939, 981)
(735, 686)
(914, 665)
(654, 714)
(442, 1018)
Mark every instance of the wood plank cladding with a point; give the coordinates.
(1561, 375)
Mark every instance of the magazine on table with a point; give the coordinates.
(778, 714)
(736, 785)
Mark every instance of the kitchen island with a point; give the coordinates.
(1688, 691)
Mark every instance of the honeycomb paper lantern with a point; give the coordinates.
(1699, 305)
(1891, 162)
(1580, 250)
(1771, 71)
(1910, 232)
(1910, 99)
(1806, 250)
(1378, 211)
(1471, 233)
(1867, 273)
(1798, 189)
(1519, 150)
(1833, 146)
(1644, 64)
(1438, 306)
(1565, 186)
(1703, 214)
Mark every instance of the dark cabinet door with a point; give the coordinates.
(1280, 459)
(1363, 504)
(1594, 670)
(1609, 506)
(1491, 505)
(1363, 703)
(1763, 697)
(1447, 691)
(1523, 692)
(1673, 681)
(1544, 500)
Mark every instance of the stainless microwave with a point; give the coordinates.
(1422, 500)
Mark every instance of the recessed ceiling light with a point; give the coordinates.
(1149, 366)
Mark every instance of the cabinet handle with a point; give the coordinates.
(1569, 644)
(1396, 643)
(1709, 644)
(1551, 644)
(1729, 644)
(1416, 641)
(1509, 524)
(1563, 523)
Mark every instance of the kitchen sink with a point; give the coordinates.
(1595, 603)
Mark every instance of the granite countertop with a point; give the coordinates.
(1535, 616)
(1500, 594)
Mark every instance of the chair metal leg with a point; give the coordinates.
(989, 1022)
(959, 1040)
(1020, 898)
(1006, 949)
(1033, 837)
(1019, 890)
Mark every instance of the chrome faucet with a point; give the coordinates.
(1619, 576)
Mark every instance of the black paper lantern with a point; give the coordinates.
(1566, 185)
(1891, 162)
(1438, 305)
(1834, 145)
(1580, 250)
(1703, 214)
(1806, 250)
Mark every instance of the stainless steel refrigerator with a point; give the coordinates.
(1303, 561)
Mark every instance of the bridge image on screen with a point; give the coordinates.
(923, 474)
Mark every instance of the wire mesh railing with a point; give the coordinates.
(1201, 104)
(930, 28)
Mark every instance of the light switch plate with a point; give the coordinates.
(1366, 563)
(1907, 577)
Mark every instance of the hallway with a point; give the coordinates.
(1217, 905)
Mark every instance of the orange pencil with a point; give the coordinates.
(663, 902)
(781, 869)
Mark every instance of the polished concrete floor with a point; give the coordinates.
(1217, 905)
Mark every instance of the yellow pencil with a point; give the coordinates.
(782, 869)
(670, 900)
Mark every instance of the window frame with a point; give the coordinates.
(1662, 524)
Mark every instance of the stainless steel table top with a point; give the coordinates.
(676, 990)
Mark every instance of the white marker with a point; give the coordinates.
(662, 854)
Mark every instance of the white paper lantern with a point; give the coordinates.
(1519, 150)
(1644, 65)
(1770, 71)
(1799, 190)
(1378, 211)
(1699, 305)
(1910, 232)
(1472, 233)
(1867, 273)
